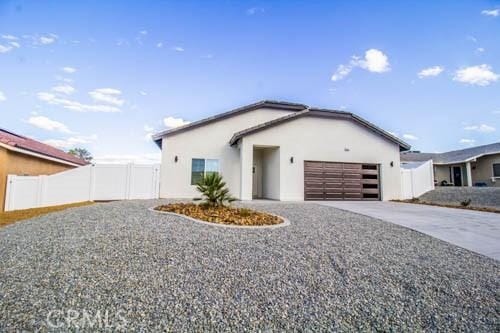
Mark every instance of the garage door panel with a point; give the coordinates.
(349, 175)
(341, 181)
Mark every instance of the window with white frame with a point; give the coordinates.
(496, 170)
(201, 167)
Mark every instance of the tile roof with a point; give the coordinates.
(410, 156)
(21, 142)
(455, 156)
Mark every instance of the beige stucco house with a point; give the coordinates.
(283, 151)
(475, 166)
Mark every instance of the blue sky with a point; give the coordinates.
(106, 74)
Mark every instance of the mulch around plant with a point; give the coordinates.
(222, 215)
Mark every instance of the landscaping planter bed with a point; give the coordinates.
(222, 214)
(479, 197)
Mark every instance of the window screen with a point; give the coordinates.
(197, 170)
(201, 167)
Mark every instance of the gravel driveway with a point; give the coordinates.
(329, 270)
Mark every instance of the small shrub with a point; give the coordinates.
(214, 191)
(245, 212)
(465, 203)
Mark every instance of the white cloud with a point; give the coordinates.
(178, 48)
(410, 137)
(491, 12)
(143, 32)
(483, 128)
(480, 50)
(472, 39)
(467, 141)
(6, 48)
(149, 132)
(15, 44)
(129, 158)
(107, 95)
(481, 75)
(9, 37)
(74, 105)
(342, 71)
(430, 71)
(64, 89)
(3, 98)
(255, 10)
(46, 39)
(71, 142)
(375, 61)
(143, 93)
(171, 122)
(159, 45)
(63, 79)
(69, 70)
(48, 124)
(121, 42)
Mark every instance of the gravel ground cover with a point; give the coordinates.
(479, 196)
(330, 270)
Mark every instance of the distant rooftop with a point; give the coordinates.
(18, 141)
(455, 156)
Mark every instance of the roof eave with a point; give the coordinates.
(279, 105)
(40, 155)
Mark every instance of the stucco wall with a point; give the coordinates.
(13, 163)
(210, 142)
(442, 172)
(484, 170)
(324, 139)
(271, 173)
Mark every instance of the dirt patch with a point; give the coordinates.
(23, 214)
(421, 202)
(222, 215)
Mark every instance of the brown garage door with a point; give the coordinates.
(341, 181)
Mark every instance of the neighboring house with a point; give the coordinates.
(283, 151)
(23, 156)
(478, 166)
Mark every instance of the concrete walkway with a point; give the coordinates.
(472, 230)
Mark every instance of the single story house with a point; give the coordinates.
(475, 166)
(23, 156)
(283, 151)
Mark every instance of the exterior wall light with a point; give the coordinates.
(176, 159)
(291, 159)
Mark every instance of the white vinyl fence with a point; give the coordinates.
(416, 179)
(87, 183)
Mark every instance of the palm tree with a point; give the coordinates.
(214, 191)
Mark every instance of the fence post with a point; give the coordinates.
(9, 191)
(128, 181)
(92, 182)
(157, 181)
(42, 190)
(412, 183)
